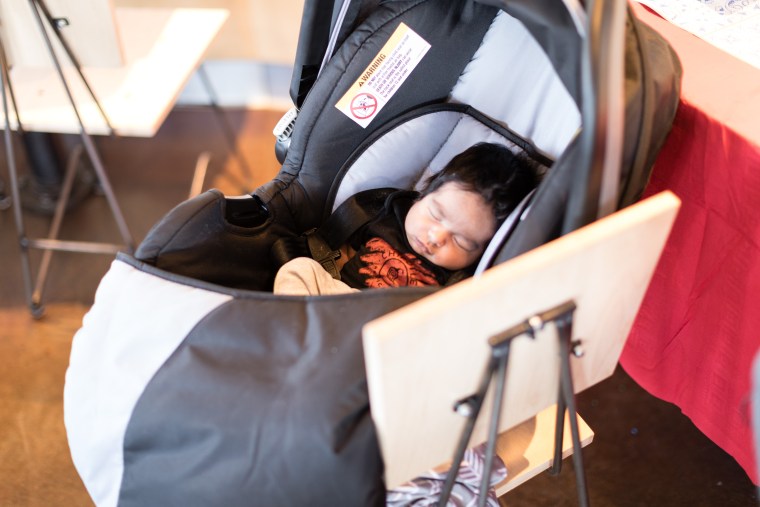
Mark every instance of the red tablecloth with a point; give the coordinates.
(698, 329)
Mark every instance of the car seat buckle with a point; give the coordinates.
(322, 253)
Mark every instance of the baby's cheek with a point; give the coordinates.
(449, 259)
(465, 259)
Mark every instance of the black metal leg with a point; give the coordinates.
(470, 407)
(13, 175)
(564, 329)
(496, 369)
(501, 355)
(559, 432)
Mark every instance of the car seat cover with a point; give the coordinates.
(136, 323)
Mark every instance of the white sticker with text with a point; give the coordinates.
(383, 76)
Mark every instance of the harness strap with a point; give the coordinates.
(349, 217)
(323, 244)
(353, 214)
(321, 252)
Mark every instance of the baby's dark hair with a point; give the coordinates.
(493, 171)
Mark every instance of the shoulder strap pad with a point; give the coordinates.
(352, 214)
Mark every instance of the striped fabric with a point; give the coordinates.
(426, 489)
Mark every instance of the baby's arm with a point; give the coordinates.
(304, 276)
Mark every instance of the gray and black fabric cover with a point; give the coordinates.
(185, 393)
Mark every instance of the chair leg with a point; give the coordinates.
(55, 226)
(51, 243)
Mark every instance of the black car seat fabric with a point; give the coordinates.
(324, 138)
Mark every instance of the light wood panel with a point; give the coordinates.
(528, 448)
(91, 32)
(162, 47)
(262, 30)
(424, 357)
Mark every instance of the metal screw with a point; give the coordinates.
(536, 323)
(463, 408)
(576, 348)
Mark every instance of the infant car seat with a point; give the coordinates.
(191, 384)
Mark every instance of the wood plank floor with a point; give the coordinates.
(35, 465)
(644, 453)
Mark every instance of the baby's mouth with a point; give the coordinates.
(421, 247)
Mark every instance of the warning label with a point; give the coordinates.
(383, 76)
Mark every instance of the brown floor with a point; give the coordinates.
(645, 452)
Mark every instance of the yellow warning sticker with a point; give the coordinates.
(383, 76)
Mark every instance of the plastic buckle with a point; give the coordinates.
(322, 253)
(284, 127)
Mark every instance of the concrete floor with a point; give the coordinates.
(644, 453)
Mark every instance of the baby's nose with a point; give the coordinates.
(437, 236)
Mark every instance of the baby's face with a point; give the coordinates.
(450, 227)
